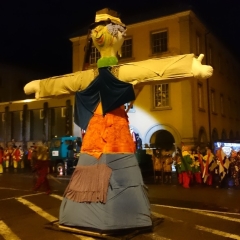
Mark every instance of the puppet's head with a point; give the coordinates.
(107, 34)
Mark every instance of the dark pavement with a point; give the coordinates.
(20, 207)
(225, 199)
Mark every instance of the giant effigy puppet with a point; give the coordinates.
(106, 191)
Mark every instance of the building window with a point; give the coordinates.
(159, 42)
(213, 101)
(94, 55)
(200, 96)
(161, 95)
(21, 115)
(63, 112)
(222, 105)
(41, 114)
(127, 48)
(198, 44)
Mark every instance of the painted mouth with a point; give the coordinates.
(100, 40)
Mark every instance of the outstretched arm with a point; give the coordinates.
(200, 71)
(60, 85)
(150, 71)
(165, 69)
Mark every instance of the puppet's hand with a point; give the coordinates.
(33, 87)
(200, 71)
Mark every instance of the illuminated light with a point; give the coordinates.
(23, 101)
(142, 112)
(29, 100)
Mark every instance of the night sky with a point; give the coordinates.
(36, 33)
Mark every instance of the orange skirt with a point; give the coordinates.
(108, 134)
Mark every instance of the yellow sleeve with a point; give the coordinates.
(158, 69)
(66, 84)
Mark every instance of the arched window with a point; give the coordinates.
(224, 135)
(215, 137)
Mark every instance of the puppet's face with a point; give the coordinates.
(103, 39)
(100, 36)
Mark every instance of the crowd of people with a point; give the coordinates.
(195, 167)
(11, 156)
(36, 158)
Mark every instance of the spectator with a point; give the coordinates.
(41, 167)
(186, 169)
(196, 167)
(208, 160)
(17, 156)
(167, 168)
(157, 166)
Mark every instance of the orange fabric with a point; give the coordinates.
(108, 134)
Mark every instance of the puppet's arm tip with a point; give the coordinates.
(201, 71)
(32, 87)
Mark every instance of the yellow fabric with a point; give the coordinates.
(158, 69)
(105, 17)
(15, 164)
(66, 84)
(1, 168)
(146, 72)
(7, 163)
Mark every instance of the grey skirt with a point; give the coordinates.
(112, 199)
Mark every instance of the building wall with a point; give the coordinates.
(184, 119)
(43, 120)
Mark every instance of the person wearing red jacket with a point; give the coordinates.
(6, 157)
(42, 167)
(17, 156)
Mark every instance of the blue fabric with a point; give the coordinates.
(106, 88)
(127, 204)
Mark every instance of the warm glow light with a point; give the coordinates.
(29, 100)
(142, 121)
